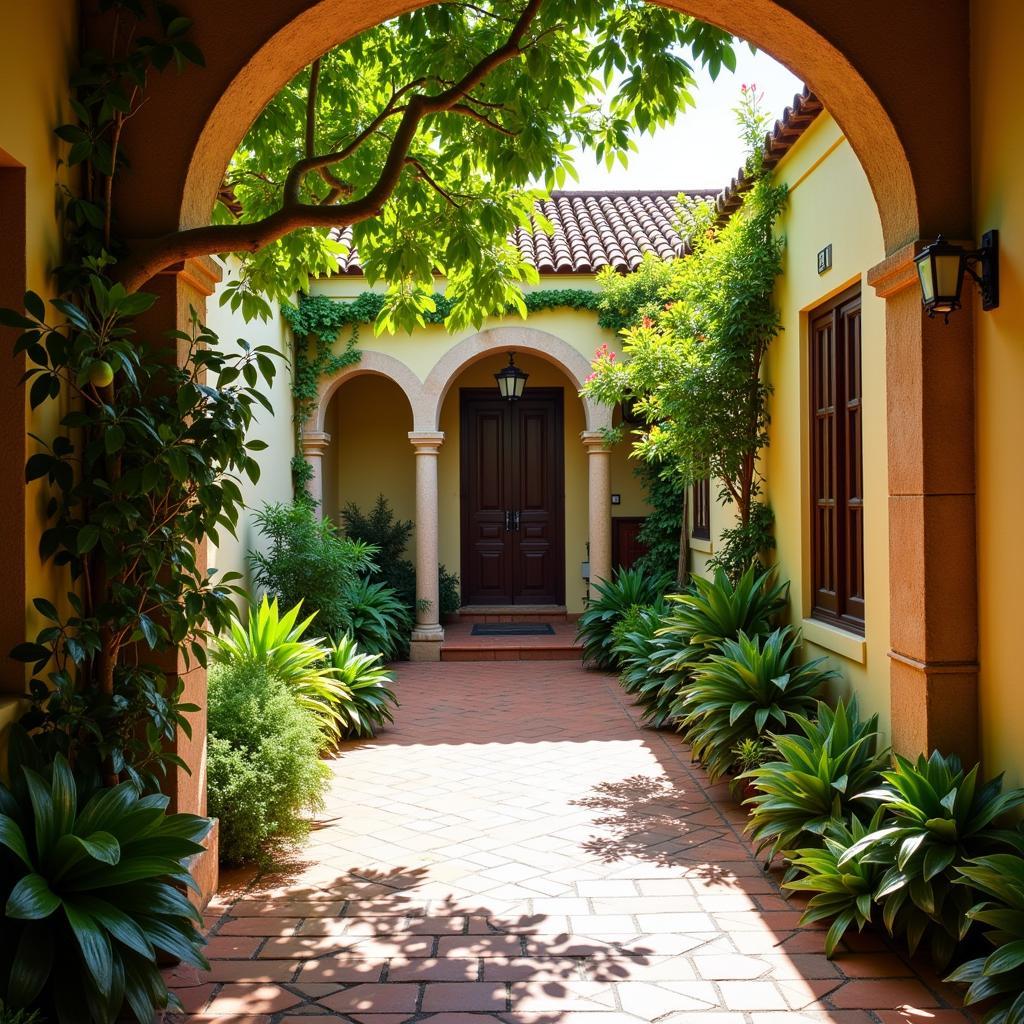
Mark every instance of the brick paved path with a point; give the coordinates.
(518, 849)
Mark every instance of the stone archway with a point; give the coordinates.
(879, 68)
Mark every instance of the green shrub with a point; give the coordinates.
(367, 681)
(390, 537)
(736, 693)
(718, 609)
(1000, 975)
(264, 768)
(812, 779)
(379, 621)
(275, 644)
(747, 545)
(752, 753)
(937, 818)
(309, 563)
(635, 642)
(613, 599)
(92, 892)
(844, 886)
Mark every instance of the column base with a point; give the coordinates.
(425, 643)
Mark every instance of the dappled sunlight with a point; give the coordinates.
(517, 847)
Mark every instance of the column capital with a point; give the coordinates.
(426, 442)
(595, 442)
(203, 273)
(315, 442)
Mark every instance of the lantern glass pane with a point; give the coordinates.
(924, 272)
(947, 276)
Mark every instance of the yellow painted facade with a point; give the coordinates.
(997, 28)
(830, 203)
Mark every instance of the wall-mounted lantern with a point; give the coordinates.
(511, 380)
(941, 267)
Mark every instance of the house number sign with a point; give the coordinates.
(825, 259)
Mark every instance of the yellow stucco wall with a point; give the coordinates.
(997, 28)
(37, 52)
(276, 429)
(830, 202)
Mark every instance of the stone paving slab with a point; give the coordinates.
(519, 850)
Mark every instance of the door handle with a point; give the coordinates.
(515, 521)
(508, 521)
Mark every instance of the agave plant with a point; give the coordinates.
(274, 642)
(736, 693)
(843, 893)
(715, 610)
(938, 818)
(636, 641)
(613, 599)
(378, 620)
(92, 892)
(1000, 975)
(814, 778)
(366, 680)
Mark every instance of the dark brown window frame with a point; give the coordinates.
(836, 461)
(701, 491)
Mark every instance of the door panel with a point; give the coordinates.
(513, 523)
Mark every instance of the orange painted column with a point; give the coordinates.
(932, 527)
(180, 290)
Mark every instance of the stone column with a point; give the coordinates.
(314, 446)
(599, 476)
(933, 610)
(427, 634)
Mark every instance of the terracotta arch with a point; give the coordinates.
(548, 347)
(371, 363)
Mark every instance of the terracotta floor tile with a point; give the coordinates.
(516, 835)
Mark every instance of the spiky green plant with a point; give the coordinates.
(367, 682)
(612, 600)
(92, 890)
(813, 777)
(998, 977)
(937, 818)
(750, 683)
(380, 622)
(274, 643)
(844, 893)
(636, 642)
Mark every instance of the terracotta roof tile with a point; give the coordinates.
(593, 230)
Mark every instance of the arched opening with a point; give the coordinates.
(368, 418)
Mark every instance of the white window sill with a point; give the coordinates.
(851, 646)
(701, 545)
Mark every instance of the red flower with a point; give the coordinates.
(648, 322)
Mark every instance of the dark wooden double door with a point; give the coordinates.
(513, 520)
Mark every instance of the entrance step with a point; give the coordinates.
(514, 613)
(460, 644)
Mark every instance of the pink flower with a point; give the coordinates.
(648, 322)
(589, 378)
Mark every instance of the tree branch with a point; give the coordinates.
(150, 258)
(468, 111)
(311, 97)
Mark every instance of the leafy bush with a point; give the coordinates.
(274, 644)
(751, 753)
(614, 598)
(660, 533)
(390, 537)
(1000, 975)
(309, 563)
(91, 894)
(746, 544)
(736, 693)
(937, 817)
(367, 683)
(264, 767)
(814, 777)
(845, 886)
(635, 641)
(379, 621)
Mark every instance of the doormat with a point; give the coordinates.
(512, 629)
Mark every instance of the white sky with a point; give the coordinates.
(702, 149)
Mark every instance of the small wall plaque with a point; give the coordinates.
(825, 259)
(616, 499)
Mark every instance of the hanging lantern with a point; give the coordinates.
(511, 380)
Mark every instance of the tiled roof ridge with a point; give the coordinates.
(617, 227)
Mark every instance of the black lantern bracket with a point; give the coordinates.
(985, 259)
